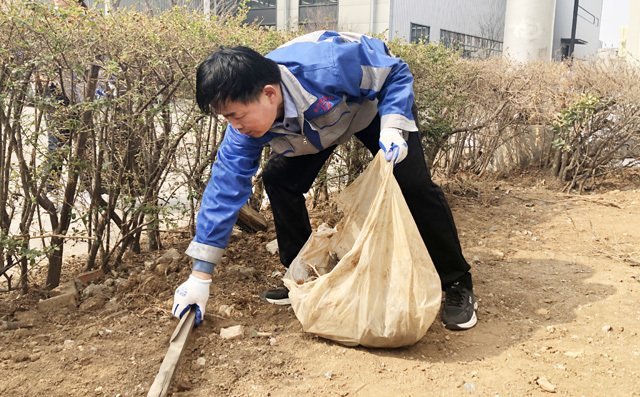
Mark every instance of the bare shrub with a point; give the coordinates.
(134, 153)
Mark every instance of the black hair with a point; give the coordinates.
(235, 74)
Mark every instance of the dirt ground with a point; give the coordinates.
(557, 277)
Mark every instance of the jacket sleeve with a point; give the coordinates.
(378, 75)
(227, 191)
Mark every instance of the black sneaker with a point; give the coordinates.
(278, 296)
(459, 311)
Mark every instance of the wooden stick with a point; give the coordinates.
(178, 340)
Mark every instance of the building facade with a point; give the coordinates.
(631, 39)
(587, 28)
(475, 27)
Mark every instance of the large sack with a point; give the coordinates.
(384, 290)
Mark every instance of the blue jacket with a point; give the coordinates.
(338, 83)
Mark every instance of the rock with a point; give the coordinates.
(241, 271)
(68, 343)
(201, 361)
(165, 268)
(93, 303)
(277, 361)
(225, 310)
(469, 387)
(542, 312)
(234, 332)
(607, 328)
(272, 341)
(20, 357)
(89, 277)
(272, 247)
(171, 255)
(328, 375)
(96, 290)
(121, 284)
(66, 297)
(150, 265)
(98, 390)
(573, 354)
(139, 389)
(546, 385)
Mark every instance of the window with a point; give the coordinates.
(262, 12)
(306, 3)
(318, 14)
(261, 4)
(419, 33)
(471, 46)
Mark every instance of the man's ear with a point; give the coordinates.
(270, 91)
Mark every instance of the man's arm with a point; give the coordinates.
(227, 191)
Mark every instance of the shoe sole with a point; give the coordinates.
(280, 302)
(469, 324)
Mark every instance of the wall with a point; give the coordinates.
(355, 15)
(586, 29)
(633, 32)
(483, 18)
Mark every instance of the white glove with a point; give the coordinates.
(395, 148)
(193, 292)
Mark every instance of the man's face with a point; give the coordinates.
(254, 118)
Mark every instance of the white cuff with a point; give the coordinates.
(207, 253)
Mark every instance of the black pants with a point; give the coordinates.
(286, 179)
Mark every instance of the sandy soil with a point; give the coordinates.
(557, 277)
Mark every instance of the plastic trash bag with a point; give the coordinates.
(370, 280)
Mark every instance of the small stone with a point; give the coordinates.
(68, 344)
(272, 341)
(201, 361)
(542, 312)
(573, 354)
(546, 385)
(236, 331)
(272, 247)
(469, 387)
(98, 390)
(277, 361)
(225, 310)
(96, 290)
(20, 357)
(607, 328)
(171, 255)
(551, 329)
(242, 271)
(150, 265)
(328, 375)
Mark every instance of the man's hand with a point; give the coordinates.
(393, 145)
(193, 292)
